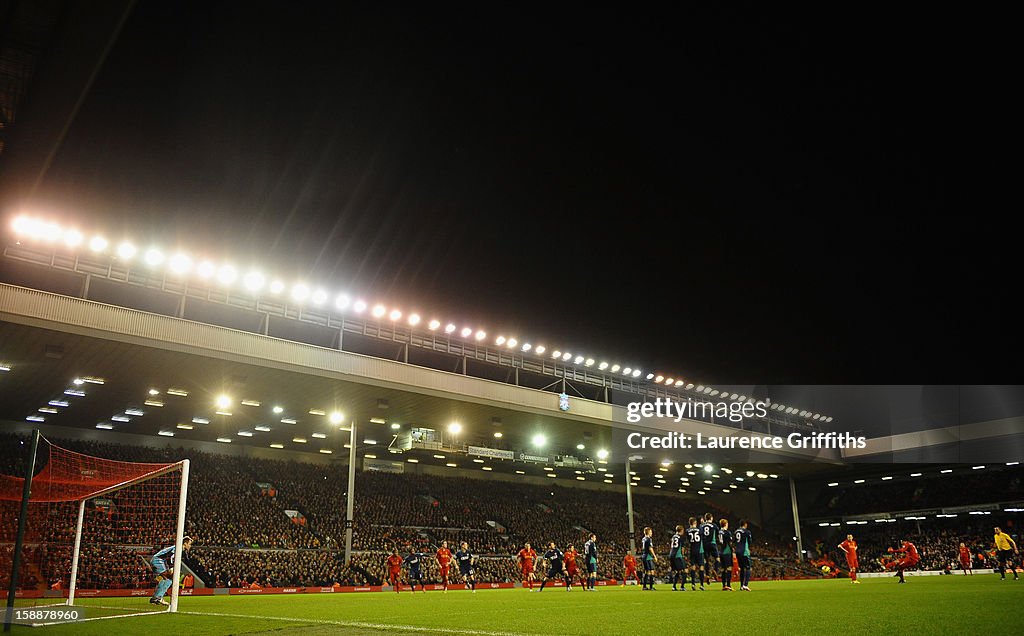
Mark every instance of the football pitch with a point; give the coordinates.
(925, 605)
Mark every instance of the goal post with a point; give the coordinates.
(92, 529)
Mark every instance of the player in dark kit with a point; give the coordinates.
(743, 540)
(414, 562)
(696, 555)
(648, 558)
(725, 554)
(675, 559)
(466, 561)
(708, 534)
(556, 567)
(590, 558)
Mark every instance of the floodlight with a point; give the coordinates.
(378, 311)
(539, 349)
(414, 319)
(341, 303)
(480, 334)
(466, 331)
(73, 238)
(253, 281)
(449, 328)
(395, 314)
(539, 440)
(226, 274)
(359, 306)
(276, 287)
(179, 264)
(434, 324)
(154, 257)
(319, 297)
(126, 250)
(300, 292)
(455, 428)
(98, 243)
(500, 340)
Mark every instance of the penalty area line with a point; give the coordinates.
(380, 626)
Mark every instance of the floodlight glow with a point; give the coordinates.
(527, 346)
(497, 434)
(254, 281)
(227, 274)
(580, 447)
(276, 287)
(223, 401)
(556, 354)
(206, 269)
(51, 232)
(179, 264)
(336, 417)
(359, 306)
(602, 366)
(449, 328)
(414, 319)
(480, 334)
(602, 454)
(650, 376)
(578, 359)
(300, 292)
(566, 356)
(154, 257)
(73, 238)
(342, 302)
(434, 324)
(465, 332)
(669, 381)
(378, 311)
(126, 250)
(98, 243)
(455, 428)
(278, 410)
(589, 362)
(539, 440)
(512, 342)
(659, 378)
(500, 340)
(319, 297)
(395, 314)
(539, 349)
(22, 225)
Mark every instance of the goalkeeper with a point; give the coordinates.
(163, 562)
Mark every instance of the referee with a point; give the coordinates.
(1005, 549)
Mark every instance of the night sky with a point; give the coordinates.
(728, 194)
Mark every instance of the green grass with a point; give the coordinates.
(925, 605)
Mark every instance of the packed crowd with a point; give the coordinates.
(244, 536)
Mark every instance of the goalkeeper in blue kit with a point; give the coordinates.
(163, 568)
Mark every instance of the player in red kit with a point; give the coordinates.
(394, 564)
(444, 561)
(909, 559)
(526, 558)
(629, 569)
(965, 560)
(571, 569)
(850, 548)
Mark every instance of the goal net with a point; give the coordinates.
(92, 529)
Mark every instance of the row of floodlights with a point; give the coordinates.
(256, 282)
